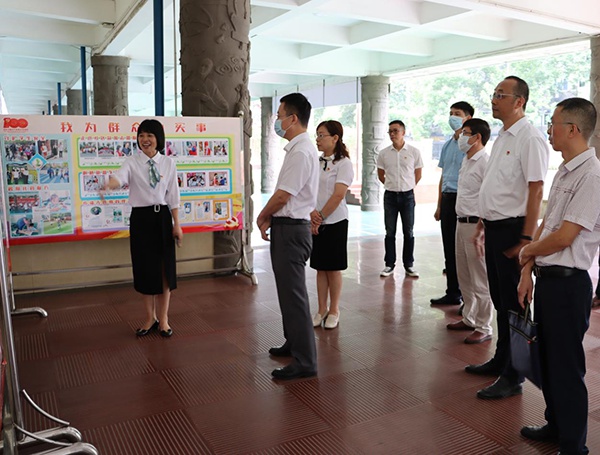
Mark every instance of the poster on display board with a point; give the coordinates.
(54, 167)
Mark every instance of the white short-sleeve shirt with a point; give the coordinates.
(575, 197)
(470, 177)
(399, 167)
(299, 176)
(519, 156)
(135, 173)
(330, 173)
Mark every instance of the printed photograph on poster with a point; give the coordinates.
(181, 179)
(103, 217)
(219, 181)
(23, 202)
(58, 223)
(55, 201)
(54, 173)
(53, 149)
(19, 150)
(23, 226)
(93, 184)
(195, 180)
(21, 174)
(186, 213)
(220, 209)
(191, 148)
(123, 148)
(88, 149)
(204, 211)
(106, 149)
(173, 148)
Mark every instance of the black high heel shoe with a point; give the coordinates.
(144, 332)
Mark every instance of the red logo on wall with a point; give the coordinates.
(15, 123)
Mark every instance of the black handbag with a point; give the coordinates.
(524, 345)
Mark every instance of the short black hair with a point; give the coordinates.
(296, 103)
(521, 89)
(479, 126)
(398, 122)
(153, 126)
(582, 112)
(465, 107)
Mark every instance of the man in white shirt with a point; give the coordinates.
(399, 169)
(287, 215)
(509, 203)
(562, 252)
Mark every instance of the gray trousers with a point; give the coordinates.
(290, 249)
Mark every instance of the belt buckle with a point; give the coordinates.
(537, 271)
(156, 208)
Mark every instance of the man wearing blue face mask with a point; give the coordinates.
(451, 159)
(287, 215)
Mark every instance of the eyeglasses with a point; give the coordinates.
(499, 96)
(321, 136)
(551, 124)
(465, 133)
(394, 131)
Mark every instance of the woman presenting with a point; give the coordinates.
(154, 223)
(329, 221)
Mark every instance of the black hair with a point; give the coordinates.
(335, 128)
(465, 107)
(398, 122)
(479, 126)
(521, 89)
(583, 114)
(152, 126)
(296, 103)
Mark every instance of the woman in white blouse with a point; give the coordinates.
(330, 222)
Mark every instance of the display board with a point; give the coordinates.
(55, 166)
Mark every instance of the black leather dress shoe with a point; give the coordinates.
(144, 332)
(292, 372)
(488, 368)
(502, 388)
(280, 351)
(166, 333)
(540, 433)
(446, 300)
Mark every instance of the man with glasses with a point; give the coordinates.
(399, 169)
(451, 159)
(560, 255)
(509, 207)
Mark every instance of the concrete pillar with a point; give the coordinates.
(374, 91)
(63, 109)
(110, 75)
(269, 142)
(74, 102)
(215, 63)
(595, 88)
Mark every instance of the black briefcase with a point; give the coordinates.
(524, 346)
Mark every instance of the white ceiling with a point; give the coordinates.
(296, 44)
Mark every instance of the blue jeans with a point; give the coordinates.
(404, 204)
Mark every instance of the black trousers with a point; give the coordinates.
(503, 277)
(448, 225)
(290, 249)
(562, 310)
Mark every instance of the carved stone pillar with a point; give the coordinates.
(110, 85)
(269, 141)
(215, 63)
(595, 88)
(374, 91)
(74, 102)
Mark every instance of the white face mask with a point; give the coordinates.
(455, 122)
(463, 143)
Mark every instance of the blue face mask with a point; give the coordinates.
(278, 128)
(455, 122)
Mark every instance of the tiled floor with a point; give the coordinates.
(390, 381)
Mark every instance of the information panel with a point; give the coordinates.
(55, 165)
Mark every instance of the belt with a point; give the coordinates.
(503, 223)
(468, 219)
(287, 220)
(155, 208)
(554, 271)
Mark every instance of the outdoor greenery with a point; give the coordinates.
(423, 103)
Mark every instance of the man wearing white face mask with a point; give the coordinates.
(287, 215)
(451, 159)
(471, 269)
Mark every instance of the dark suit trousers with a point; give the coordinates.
(503, 277)
(290, 249)
(448, 225)
(562, 311)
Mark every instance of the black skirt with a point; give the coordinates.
(152, 249)
(330, 247)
